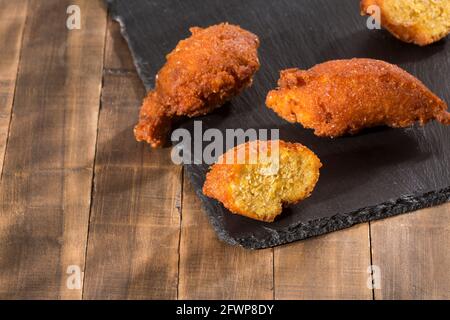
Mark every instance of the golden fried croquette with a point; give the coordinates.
(202, 73)
(418, 21)
(280, 173)
(344, 96)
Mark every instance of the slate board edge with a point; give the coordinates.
(110, 4)
(326, 225)
(315, 227)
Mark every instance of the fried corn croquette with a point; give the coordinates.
(344, 96)
(418, 21)
(202, 73)
(286, 174)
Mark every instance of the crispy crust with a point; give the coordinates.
(222, 177)
(201, 73)
(407, 33)
(344, 96)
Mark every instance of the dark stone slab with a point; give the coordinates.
(377, 174)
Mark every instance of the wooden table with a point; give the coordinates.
(89, 213)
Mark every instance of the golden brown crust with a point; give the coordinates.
(214, 186)
(344, 96)
(223, 178)
(405, 31)
(201, 73)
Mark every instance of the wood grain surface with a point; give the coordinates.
(135, 224)
(210, 269)
(332, 266)
(46, 184)
(412, 253)
(12, 22)
(77, 190)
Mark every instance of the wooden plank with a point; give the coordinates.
(210, 269)
(117, 53)
(12, 23)
(412, 252)
(46, 186)
(135, 224)
(332, 266)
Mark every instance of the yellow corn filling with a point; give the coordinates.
(431, 17)
(258, 192)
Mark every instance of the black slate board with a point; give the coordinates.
(379, 173)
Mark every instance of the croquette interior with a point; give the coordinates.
(262, 195)
(432, 17)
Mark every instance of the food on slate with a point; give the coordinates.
(202, 73)
(344, 96)
(419, 21)
(272, 174)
